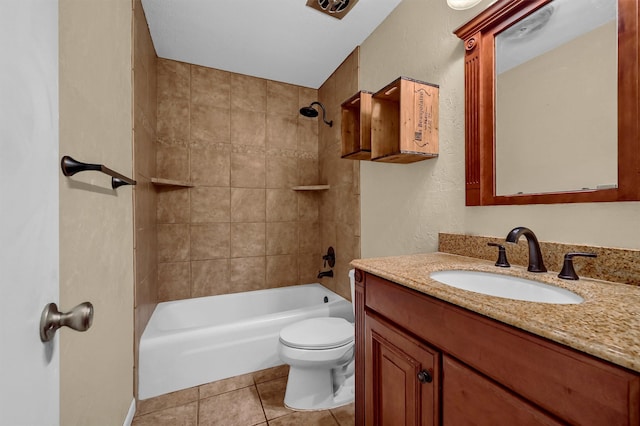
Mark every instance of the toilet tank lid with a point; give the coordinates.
(318, 333)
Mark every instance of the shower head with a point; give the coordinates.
(310, 111)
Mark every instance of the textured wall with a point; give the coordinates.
(242, 143)
(405, 206)
(96, 222)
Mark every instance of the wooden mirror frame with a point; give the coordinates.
(479, 37)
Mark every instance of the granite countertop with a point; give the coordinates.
(606, 325)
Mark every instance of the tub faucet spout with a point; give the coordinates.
(328, 273)
(536, 264)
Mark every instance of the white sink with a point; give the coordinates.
(506, 287)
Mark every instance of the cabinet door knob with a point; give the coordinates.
(425, 377)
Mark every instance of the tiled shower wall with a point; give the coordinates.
(340, 206)
(243, 145)
(144, 168)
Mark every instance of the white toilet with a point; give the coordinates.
(320, 353)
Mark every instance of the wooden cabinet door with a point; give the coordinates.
(402, 377)
(471, 399)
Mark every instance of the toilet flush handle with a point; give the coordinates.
(79, 318)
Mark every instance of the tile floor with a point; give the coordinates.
(251, 399)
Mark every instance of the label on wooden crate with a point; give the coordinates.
(424, 118)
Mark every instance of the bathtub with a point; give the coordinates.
(195, 341)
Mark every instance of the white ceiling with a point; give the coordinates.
(281, 40)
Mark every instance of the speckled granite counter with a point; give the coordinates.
(606, 324)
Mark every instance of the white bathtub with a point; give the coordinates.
(195, 341)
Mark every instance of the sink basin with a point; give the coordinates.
(506, 287)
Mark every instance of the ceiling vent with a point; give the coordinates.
(334, 8)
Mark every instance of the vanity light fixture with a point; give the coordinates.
(462, 4)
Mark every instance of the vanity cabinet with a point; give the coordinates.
(405, 375)
(483, 372)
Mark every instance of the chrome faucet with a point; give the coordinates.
(536, 264)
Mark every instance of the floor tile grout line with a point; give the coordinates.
(198, 409)
(255, 384)
(264, 412)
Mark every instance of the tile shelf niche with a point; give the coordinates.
(171, 182)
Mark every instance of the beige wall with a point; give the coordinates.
(242, 143)
(144, 165)
(405, 206)
(96, 229)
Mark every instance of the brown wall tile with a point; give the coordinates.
(308, 205)
(248, 93)
(145, 112)
(308, 133)
(282, 172)
(339, 207)
(282, 238)
(210, 87)
(308, 268)
(282, 205)
(247, 273)
(282, 132)
(210, 204)
(309, 241)
(282, 98)
(248, 170)
(173, 205)
(173, 281)
(247, 239)
(248, 205)
(173, 242)
(308, 171)
(173, 101)
(282, 270)
(248, 128)
(210, 241)
(210, 125)
(211, 165)
(209, 277)
(172, 162)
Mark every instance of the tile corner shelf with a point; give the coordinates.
(310, 188)
(171, 182)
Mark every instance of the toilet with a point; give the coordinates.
(320, 353)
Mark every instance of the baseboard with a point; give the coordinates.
(132, 412)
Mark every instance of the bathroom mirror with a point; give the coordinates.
(551, 102)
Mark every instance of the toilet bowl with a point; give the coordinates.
(320, 353)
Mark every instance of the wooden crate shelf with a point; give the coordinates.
(404, 122)
(356, 127)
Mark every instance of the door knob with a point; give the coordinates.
(79, 318)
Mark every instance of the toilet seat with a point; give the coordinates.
(318, 333)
